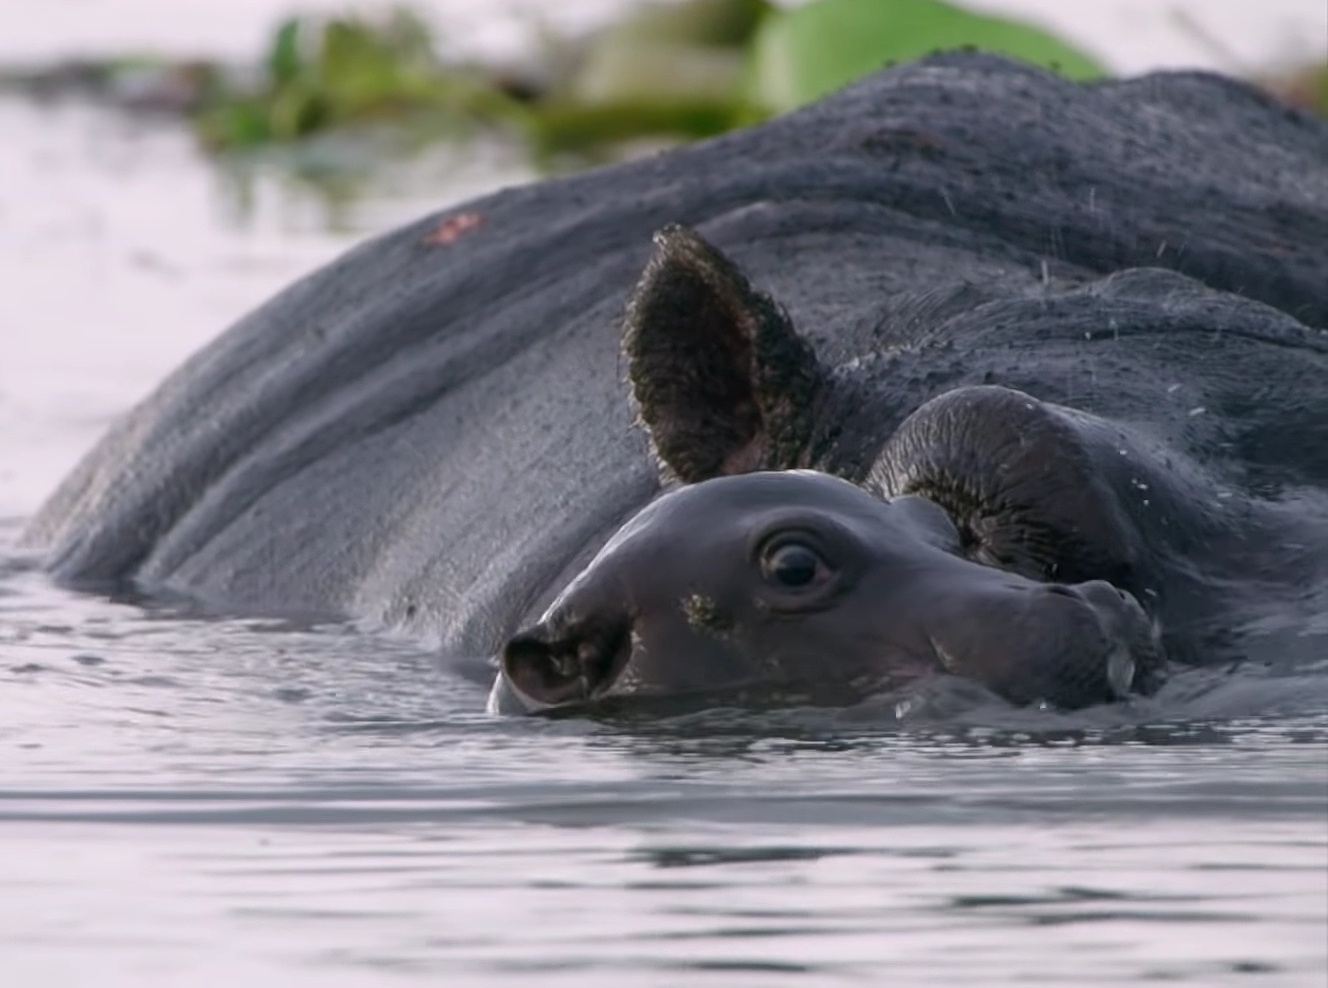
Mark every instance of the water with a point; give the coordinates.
(203, 800)
(210, 801)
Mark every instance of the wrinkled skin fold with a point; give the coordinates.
(1067, 341)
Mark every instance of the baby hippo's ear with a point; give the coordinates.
(721, 380)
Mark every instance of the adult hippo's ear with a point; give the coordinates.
(721, 380)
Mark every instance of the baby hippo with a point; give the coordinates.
(799, 587)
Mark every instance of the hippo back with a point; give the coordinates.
(433, 430)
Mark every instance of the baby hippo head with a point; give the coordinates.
(799, 587)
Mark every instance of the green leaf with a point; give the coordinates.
(234, 125)
(283, 59)
(801, 54)
(580, 127)
(719, 23)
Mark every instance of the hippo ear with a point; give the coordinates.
(721, 380)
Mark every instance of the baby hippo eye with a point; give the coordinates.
(791, 565)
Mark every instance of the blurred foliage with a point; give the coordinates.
(1306, 87)
(322, 74)
(664, 72)
(680, 71)
(809, 51)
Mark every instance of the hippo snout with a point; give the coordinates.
(1069, 645)
(1135, 644)
(555, 665)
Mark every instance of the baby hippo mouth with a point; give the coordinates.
(1070, 646)
(543, 669)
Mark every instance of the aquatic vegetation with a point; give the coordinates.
(319, 74)
(664, 73)
(674, 71)
(806, 52)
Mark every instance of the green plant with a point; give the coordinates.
(320, 74)
(802, 53)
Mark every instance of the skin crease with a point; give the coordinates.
(434, 434)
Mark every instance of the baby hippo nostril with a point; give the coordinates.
(535, 670)
(545, 667)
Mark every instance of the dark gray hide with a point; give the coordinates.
(434, 431)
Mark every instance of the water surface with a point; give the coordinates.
(211, 800)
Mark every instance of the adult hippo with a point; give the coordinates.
(991, 533)
(1075, 332)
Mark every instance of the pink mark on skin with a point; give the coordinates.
(452, 228)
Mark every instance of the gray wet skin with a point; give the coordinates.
(800, 586)
(990, 534)
(1084, 322)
